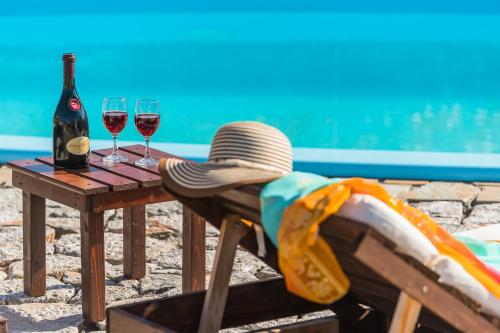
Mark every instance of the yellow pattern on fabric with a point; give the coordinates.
(310, 267)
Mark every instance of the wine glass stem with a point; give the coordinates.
(146, 154)
(115, 147)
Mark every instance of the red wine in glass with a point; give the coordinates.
(147, 123)
(115, 121)
(114, 117)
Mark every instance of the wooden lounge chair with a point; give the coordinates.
(388, 290)
(379, 276)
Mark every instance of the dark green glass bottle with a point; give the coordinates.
(70, 135)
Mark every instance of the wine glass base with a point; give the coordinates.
(146, 161)
(115, 158)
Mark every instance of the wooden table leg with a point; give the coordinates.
(134, 242)
(3, 325)
(193, 251)
(34, 244)
(93, 292)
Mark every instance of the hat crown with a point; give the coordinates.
(252, 142)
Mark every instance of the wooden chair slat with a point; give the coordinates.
(251, 215)
(406, 315)
(58, 177)
(125, 322)
(382, 299)
(115, 182)
(392, 268)
(328, 324)
(215, 300)
(242, 199)
(246, 303)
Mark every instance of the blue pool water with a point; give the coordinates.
(412, 81)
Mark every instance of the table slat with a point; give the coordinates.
(143, 177)
(115, 182)
(136, 152)
(141, 174)
(131, 158)
(58, 177)
(140, 149)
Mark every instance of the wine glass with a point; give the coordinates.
(114, 116)
(147, 121)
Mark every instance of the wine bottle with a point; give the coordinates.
(70, 134)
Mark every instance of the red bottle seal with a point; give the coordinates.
(74, 104)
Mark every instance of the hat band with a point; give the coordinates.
(245, 164)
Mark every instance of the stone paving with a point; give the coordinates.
(457, 206)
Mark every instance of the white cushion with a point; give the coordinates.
(410, 241)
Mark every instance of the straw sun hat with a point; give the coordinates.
(241, 153)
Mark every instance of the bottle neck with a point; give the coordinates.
(69, 74)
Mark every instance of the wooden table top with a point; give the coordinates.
(98, 177)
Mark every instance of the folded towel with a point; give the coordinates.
(488, 252)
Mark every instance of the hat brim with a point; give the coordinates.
(198, 180)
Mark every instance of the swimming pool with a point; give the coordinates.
(417, 82)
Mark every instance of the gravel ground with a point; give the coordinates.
(60, 309)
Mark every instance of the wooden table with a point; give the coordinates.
(92, 191)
